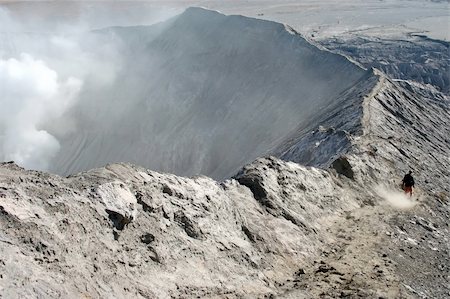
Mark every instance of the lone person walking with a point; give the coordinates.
(408, 183)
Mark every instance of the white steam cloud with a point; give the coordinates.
(52, 62)
(31, 95)
(54, 69)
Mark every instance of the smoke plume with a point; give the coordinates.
(31, 94)
(49, 65)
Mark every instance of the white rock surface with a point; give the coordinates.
(191, 237)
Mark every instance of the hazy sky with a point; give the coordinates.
(321, 18)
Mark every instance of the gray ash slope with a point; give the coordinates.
(277, 229)
(202, 93)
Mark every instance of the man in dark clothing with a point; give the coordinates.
(408, 183)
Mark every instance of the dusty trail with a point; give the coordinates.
(354, 262)
(371, 255)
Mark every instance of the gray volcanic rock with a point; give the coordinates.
(186, 237)
(307, 233)
(276, 229)
(202, 93)
(392, 121)
(397, 244)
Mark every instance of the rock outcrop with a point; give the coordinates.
(128, 231)
(278, 229)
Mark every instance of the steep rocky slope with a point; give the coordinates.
(202, 93)
(277, 229)
(127, 231)
(394, 121)
(397, 244)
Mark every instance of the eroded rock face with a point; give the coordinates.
(343, 167)
(120, 231)
(129, 231)
(119, 202)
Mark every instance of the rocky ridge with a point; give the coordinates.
(277, 229)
